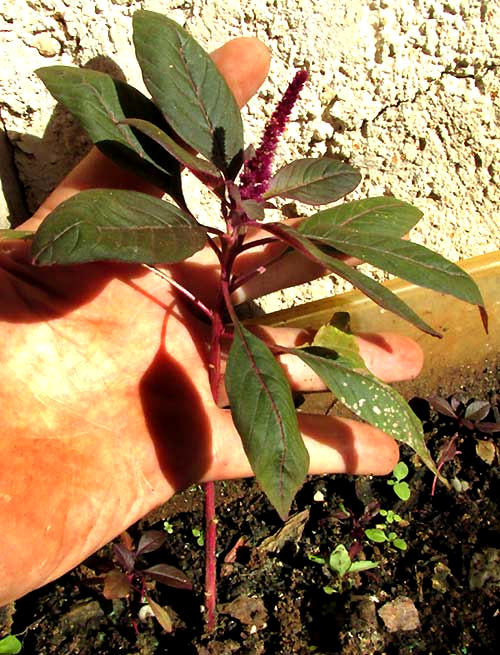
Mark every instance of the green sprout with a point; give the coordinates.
(401, 488)
(390, 516)
(168, 527)
(378, 535)
(200, 537)
(341, 564)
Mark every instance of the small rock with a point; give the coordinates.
(400, 615)
(46, 44)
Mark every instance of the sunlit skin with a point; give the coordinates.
(106, 406)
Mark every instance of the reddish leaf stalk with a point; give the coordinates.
(210, 555)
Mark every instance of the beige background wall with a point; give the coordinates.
(406, 90)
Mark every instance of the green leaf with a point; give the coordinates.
(313, 181)
(400, 543)
(100, 103)
(383, 215)
(410, 261)
(161, 615)
(10, 645)
(362, 565)
(345, 345)
(109, 224)
(204, 169)
(339, 561)
(264, 414)
(402, 490)
(371, 288)
(189, 90)
(370, 399)
(9, 235)
(400, 471)
(376, 535)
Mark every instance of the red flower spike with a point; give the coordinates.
(257, 172)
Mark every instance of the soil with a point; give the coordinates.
(439, 596)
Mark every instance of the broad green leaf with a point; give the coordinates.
(376, 534)
(384, 215)
(265, 417)
(100, 103)
(188, 88)
(409, 261)
(10, 645)
(400, 471)
(402, 490)
(161, 615)
(370, 287)
(9, 235)
(370, 399)
(313, 181)
(345, 345)
(362, 565)
(205, 170)
(109, 224)
(339, 560)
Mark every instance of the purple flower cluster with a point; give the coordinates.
(254, 180)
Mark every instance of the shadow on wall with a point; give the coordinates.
(31, 167)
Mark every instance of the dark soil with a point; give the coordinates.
(271, 594)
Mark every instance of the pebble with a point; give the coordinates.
(400, 615)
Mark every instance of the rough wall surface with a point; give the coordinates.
(406, 90)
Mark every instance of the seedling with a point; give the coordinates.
(379, 536)
(401, 488)
(341, 564)
(131, 577)
(390, 516)
(467, 412)
(192, 121)
(168, 527)
(199, 536)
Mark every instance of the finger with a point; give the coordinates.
(279, 267)
(244, 62)
(389, 356)
(291, 269)
(338, 445)
(335, 445)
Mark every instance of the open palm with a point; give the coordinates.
(107, 410)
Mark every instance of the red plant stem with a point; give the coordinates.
(230, 249)
(210, 555)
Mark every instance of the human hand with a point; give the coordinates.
(107, 410)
